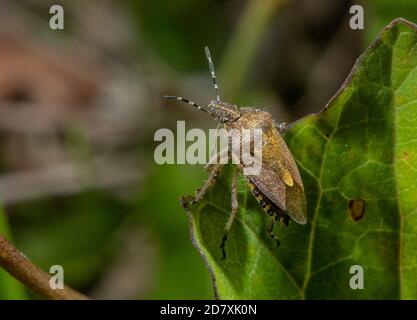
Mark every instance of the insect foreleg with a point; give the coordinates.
(271, 228)
(233, 213)
(213, 151)
(216, 157)
(214, 173)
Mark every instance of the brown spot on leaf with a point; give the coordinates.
(356, 209)
(406, 156)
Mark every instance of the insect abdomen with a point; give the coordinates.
(269, 207)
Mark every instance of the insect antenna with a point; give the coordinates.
(186, 101)
(213, 74)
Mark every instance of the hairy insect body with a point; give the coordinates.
(278, 187)
(279, 179)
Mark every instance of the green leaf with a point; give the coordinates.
(362, 146)
(177, 274)
(381, 12)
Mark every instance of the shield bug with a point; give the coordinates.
(278, 187)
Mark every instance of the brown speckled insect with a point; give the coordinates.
(278, 187)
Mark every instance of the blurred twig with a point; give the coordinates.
(20, 267)
(243, 46)
(68, 178)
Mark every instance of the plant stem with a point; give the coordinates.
(20, 267)
(244, 44)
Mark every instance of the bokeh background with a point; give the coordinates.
(79, 107)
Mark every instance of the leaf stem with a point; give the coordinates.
(20, 267)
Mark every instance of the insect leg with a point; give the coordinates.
(233, 213)
(271, 228)
(214, 173)
(285, 220)
(213, 152)
(282, 127)
(216, 157)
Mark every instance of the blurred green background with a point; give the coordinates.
(79, 186)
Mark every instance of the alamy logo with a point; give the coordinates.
(242, 146)
(357, 280)
(56, 22)
(56, 282)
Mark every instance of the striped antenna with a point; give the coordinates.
(186, 101)
(213, 74)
